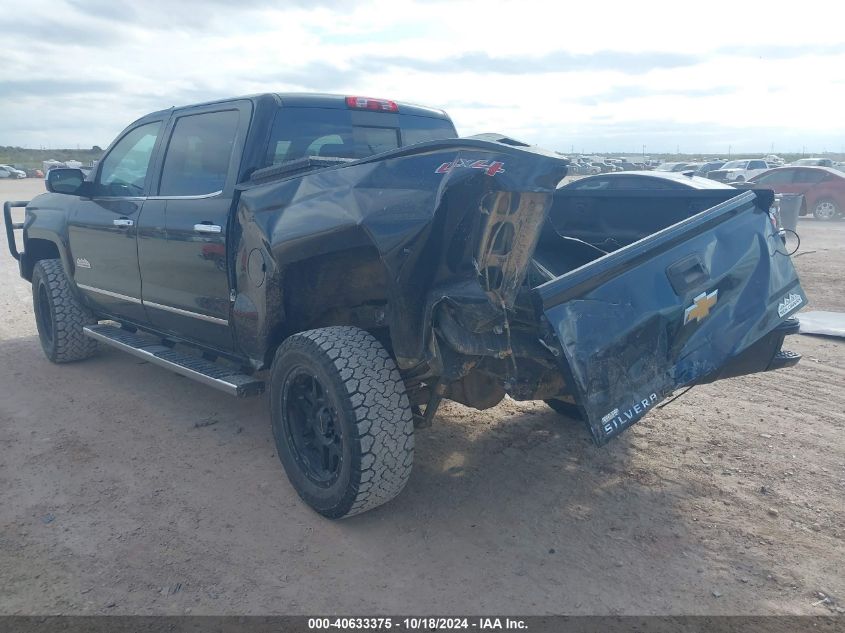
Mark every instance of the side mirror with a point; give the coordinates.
(64, 180)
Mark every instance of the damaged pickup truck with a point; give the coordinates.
(364, 263)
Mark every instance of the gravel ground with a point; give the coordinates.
(126, 489)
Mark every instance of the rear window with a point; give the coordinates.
(811, 176)
(299, 132)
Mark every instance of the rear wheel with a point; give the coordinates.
(341, 420)
(825, 210)
(59, 315)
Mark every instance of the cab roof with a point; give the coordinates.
(302, 100)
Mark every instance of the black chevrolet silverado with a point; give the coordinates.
(363, 263)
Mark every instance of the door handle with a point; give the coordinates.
(123, 222)
(208, 228)
(687, 273)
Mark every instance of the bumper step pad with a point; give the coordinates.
(785, 358)
(226, 379)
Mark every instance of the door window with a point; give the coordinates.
(124, 169)
(809, 176)
(199, 154)
(779, 177)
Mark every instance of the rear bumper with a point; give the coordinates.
(764, 355)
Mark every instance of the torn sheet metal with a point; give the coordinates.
(624, 320)
(437, 213)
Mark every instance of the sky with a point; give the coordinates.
(583, 76)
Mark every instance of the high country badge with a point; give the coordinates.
(789, 304)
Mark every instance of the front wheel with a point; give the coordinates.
(825, 210)
(59, 315)
(342, 422)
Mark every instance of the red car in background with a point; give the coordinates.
(823, 188)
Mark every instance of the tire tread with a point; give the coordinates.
(69, 315)
(382, 412)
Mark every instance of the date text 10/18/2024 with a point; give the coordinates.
(417, 623)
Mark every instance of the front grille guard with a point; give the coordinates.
(12, 226)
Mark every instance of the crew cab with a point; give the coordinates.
(738, 170)
(358, 261)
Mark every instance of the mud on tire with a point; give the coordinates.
(59, 315)
(341, 420)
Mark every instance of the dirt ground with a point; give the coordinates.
(126, 489)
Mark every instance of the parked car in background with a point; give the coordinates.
(739, 170)
(706, 168)
(674, 167)
(12, 172)
(643, 180)
(690, 169)
(812, 162)
(823, 188)
(579, 167)
(627, 166)
(774, 160)
(34, 173)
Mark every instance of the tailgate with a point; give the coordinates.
(670, 309)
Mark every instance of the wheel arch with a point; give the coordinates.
(38, 248)
(45, 234)
(342, 287)
(308, 284)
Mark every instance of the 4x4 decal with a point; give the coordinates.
(490, 168)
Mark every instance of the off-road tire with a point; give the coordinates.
(59, 315)
(566, 409)
(368, 401)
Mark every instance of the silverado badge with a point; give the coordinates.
(700, 307)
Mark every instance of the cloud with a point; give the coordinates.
(43, 31)
(625, 92)
(187, 15)
(558, 61)
(783, 51)
(78, 71)
(19, 88)
(321, 75)
(316, 76)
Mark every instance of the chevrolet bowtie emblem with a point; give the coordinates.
(700, 307)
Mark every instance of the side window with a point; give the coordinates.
(199, 154)
(809, 176)
(780, 177)
(758, 164)
(124, 169)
